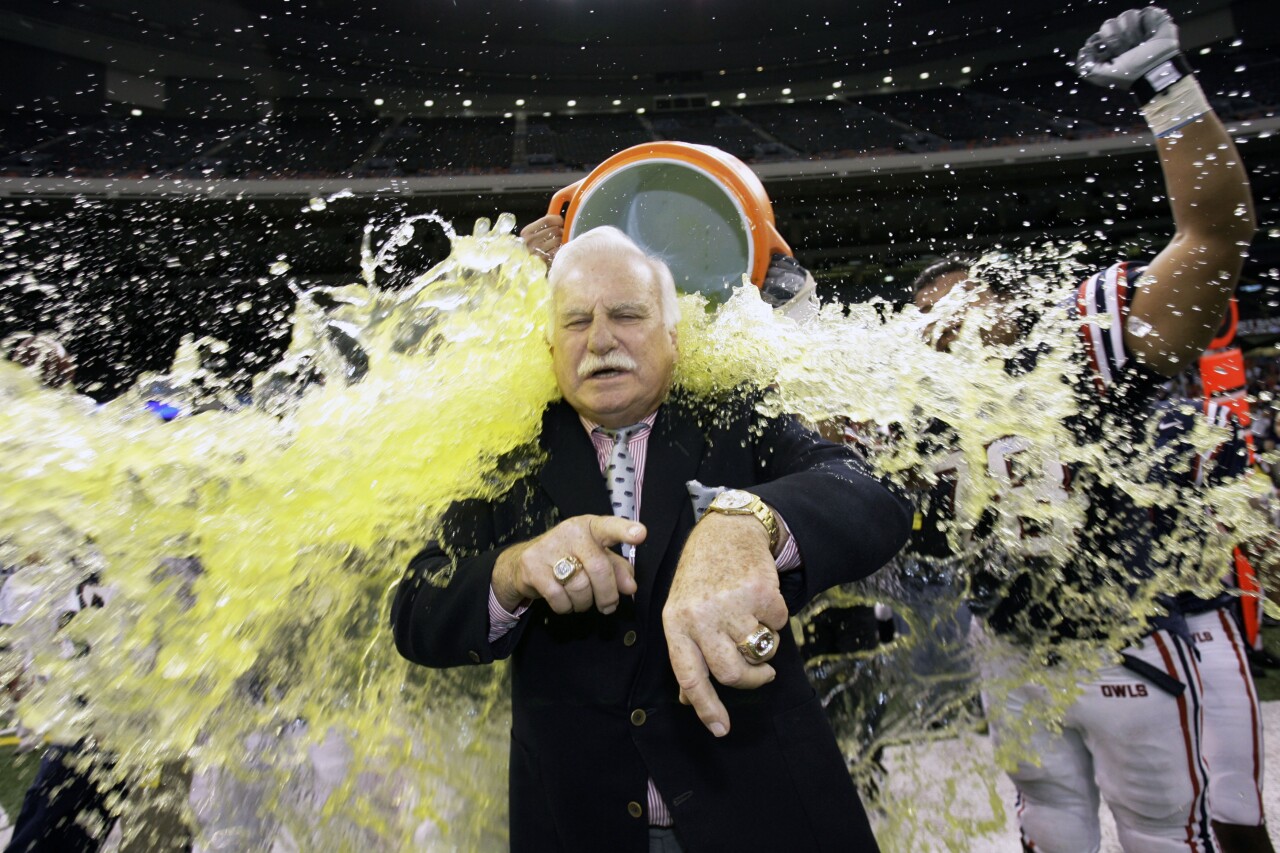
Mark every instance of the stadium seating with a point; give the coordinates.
(297, 146)
(581, 142)
(445, 146)
(825, 128)
(714, 126)
(1008, 104)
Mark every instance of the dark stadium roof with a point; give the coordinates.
(463, 107)
(604, 48)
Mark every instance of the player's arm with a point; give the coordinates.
(1185, 290)
(1188, 285)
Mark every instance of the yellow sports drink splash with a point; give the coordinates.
(247, 555)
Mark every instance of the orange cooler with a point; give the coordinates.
(699, 209)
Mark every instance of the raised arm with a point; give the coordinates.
(1185, 290)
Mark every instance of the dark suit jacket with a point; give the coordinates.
(595, 703)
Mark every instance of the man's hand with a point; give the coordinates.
(725, 586)
(783, 280)
(523, 571)
(1127, 47)
(543, 237)
(790, 288)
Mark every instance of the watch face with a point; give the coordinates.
(733, 499)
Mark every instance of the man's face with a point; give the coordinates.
(1000, 327)
(612, 353)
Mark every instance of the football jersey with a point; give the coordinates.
(1182, 470)
(1058, 532)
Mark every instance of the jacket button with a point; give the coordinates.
(474, 655)
(629, 638)
(634, 809)
(638, 717)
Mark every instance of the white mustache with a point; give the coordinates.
(609, 361)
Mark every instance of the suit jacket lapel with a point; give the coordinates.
(673, 457)
(571, 476)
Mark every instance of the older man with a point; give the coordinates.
(607, 644)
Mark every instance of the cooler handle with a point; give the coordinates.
(773, 244)
(776, 243)
(562, 197)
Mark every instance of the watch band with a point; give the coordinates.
(739, 502)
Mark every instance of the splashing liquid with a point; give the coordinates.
(251, 554)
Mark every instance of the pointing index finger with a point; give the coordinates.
(695, 684)
(609, 530)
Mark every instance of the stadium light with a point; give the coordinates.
(377, 102)
(640, 111)
(888, 78)
(715, 103)
(966, 69)
(467, 102)
(428, 103)
(571, 103)
(617, 102)
(786, 91)
(924, 75)
(519, 102)
(837, 84)
(135, 112)
(742, 95)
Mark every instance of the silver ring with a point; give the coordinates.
(565, 568)
(759, 645)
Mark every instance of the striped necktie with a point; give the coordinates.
(620, 475)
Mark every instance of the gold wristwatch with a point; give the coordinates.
(738, 502)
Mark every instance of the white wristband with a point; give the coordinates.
(1175, 107)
